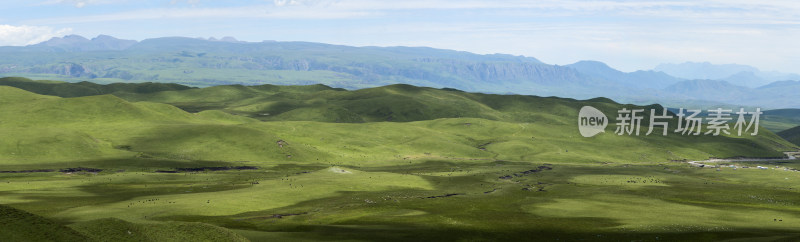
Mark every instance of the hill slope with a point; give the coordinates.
(778, 120)
(47, 128)
(428, 123)
(80, 89)
(791, 135)
(112, 229)
(398, 103)
(19, 225)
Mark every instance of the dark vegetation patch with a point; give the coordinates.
(138, 164)
(528, 172)
(29, 171)
(445, 195)
(280, 215)
(162, 171)
(493, 190)
(65, 170)
(80, 169)
(213, 168)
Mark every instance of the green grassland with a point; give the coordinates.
(19, 225)
(80, 89)
(791, 135)
(397, 103)
(781, 119)
(380, 164)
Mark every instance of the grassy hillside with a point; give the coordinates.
(390, 163)
(46, 128)
(80, 89)
(18, 225)
(394, 103)
(325, 104)
(474, 126)
(112, 229)
(791, 135)
(780, 119)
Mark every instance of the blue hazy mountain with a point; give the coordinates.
(722, 91)
(209, 61)
(79, 43)
(638, 79)
(703, 70)
(204, 62)
(742, 75)
(781, 94)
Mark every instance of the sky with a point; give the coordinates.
(627, 35)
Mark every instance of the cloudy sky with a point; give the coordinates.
(628, 35)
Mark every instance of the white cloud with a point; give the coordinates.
(307, 3)
(80, 3)
(190, 2)
(281, 3)
(744, 12)
(718, 11)
(252, 12)
(28, 35)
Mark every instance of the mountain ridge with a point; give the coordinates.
(203, 62)
(737, 74)
(80, 43)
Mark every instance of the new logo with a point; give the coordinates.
(591, 121)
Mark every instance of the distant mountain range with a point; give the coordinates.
(209, 62)
(637, 79)
(740, 75)
(79, 43)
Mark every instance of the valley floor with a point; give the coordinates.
(417, 200)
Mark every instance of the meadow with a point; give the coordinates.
(394, 163)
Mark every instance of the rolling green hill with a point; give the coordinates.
(112, 229)
(47, 128)
(80, 89)
(18, 225)
(467, 125)
(399, 102)
(395, 103)
(778, 120)
(791, 135)
(389, 163)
